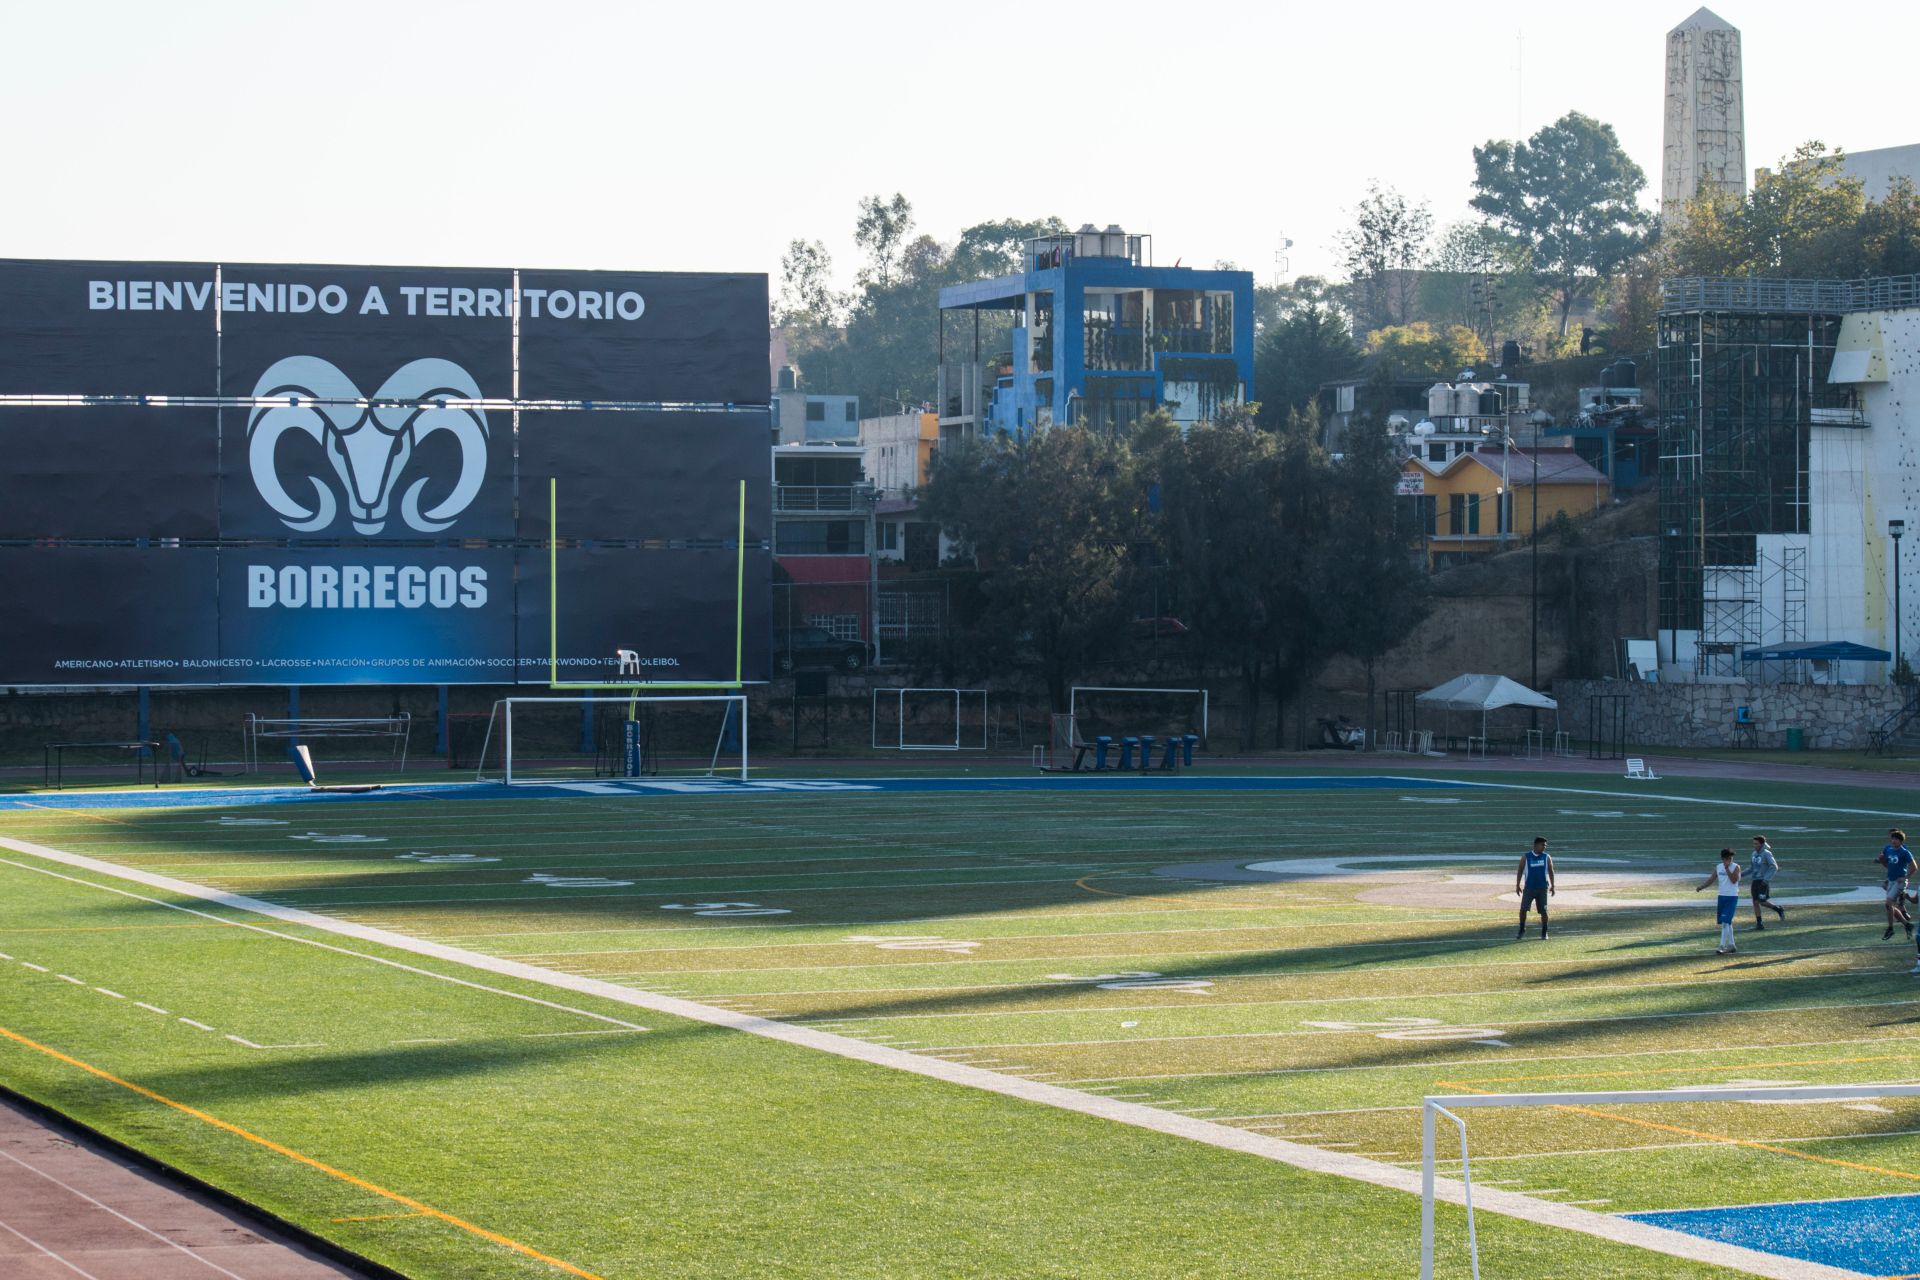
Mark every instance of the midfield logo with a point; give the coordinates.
(369, 445)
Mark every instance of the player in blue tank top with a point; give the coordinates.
(1533, 881)
(1898, 860)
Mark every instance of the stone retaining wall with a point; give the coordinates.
(1829, 716)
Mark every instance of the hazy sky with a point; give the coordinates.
(707, 135)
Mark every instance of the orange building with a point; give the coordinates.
(1483, 501)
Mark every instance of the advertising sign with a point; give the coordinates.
(352, 468)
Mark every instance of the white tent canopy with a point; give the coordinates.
(1484, 694)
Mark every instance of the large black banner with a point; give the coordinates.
(664, 478)
(675, 609)
(362, 460)
(109, 471)
(108, 615)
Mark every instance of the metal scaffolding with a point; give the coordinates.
(1739, 391)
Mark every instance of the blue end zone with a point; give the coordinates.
(1875, 1235)
(232, 796)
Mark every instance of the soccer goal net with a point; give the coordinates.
(557, 739)
(1589, 1173)
(930, 719)
(1121, 712)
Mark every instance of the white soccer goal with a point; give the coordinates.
(1446, 1105)
(930, 719)
(547, 739)
(1120, 711)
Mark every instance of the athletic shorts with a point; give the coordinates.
(1729, 907)
(1528, 897)
(1762, 890)
(1895, 888)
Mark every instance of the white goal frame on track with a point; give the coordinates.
(1073, 700)
(900, 721)
(1439, 1105)
(630, 702)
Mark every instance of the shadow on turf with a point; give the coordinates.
(294, 1073)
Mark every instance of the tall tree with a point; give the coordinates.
(1802, 218)
(807, 295)
(882, 230)
(1290, 362)
(1382, 252)
(1570, 196)
(1418, 350)
(1476, 276)
(1051, 520)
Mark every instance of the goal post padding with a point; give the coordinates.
(543, 739)
(916, 719)
(1435, 1107)
(1121, 711)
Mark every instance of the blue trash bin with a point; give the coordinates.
(1172, 753)
(1146, 751)
(1186, 748)
(1100, 745)
(1126, 751)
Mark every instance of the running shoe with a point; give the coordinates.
(1888, 934)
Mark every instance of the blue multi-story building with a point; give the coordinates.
(1089, 332)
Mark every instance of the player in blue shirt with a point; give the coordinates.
(1533, 881)
(1898, 860)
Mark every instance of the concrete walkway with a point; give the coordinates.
(70, 1210)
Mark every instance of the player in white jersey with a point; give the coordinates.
(1726, 878)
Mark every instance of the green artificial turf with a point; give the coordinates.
(979, 927)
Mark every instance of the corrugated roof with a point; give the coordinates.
(1557, 466)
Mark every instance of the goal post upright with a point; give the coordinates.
(1436, 1105)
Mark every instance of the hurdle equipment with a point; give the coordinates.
(394, 729)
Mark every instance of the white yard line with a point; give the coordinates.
(1226, 1137)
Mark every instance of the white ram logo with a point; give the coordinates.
(369, 445)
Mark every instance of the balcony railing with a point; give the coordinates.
(1883, 293)
(790, 499)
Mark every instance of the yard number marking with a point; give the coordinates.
(321, 837)
(915, 942)
(1412, 1029)
(246, 822)
(575, 882)
(725, 908)
(418, 856)
(1139, 980)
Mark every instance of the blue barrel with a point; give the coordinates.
(1186, 748)
(1172, 753)
(1100, 745)
(1146, 751)
(1126, 752)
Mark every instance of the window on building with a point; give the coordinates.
(816, 411)
(1436, 451)
(841, 626)
(819, 537)
(853, 411)
(887, 535)
(1456, 514)
(1429, 507)
(1473, 513)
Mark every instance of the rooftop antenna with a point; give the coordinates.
(1281, 265)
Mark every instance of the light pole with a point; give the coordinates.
(1895, 529)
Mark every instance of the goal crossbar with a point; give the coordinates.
(502, 717)
(1436, 1106)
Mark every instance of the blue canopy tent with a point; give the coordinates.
(1816, 651)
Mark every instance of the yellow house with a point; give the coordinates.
(1482, 501)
